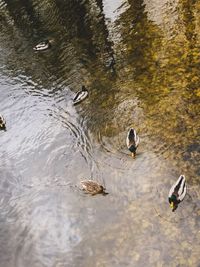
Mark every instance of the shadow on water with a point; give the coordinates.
(140, 63)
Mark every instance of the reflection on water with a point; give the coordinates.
(50, 145)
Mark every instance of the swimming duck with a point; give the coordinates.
(80, 95)
(177, 192)
(42, 46)
(2, 123)
(111, 63)
(92, 187)
(132, 141)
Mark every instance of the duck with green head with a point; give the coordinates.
(132, 141)
(177, 192)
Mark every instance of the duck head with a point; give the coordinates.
(132, 148)
(84, 88)
(173, 202)
(103, 190)
(2, 126)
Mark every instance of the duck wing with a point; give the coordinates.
(87, 182)
(77, 95)
(1, 119)
(81, 95)
(181, 187)
(90, 185)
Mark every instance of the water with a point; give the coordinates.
(50, 145)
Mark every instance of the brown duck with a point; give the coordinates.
(92, 187)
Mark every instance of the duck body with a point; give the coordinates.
(2, 123)
(80, 95)
(132, 141)
(42, 46)
(177, 192)
(92, 187)
(111, 64)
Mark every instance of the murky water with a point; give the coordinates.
(50, 145)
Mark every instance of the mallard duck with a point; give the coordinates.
(92, 187)
(2, 123)
(42, 46)
(80, 95)
(177, 192)
(111, 63)
(132, 141)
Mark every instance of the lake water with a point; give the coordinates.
(51, 145)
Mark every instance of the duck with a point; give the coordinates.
(42, 46)
(80, 95)
(111, 63)
(177, 192)
(2, 123)
(93, 188)
(132, 141)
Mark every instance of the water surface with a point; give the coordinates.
(50, 145)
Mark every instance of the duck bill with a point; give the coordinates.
(133, 155)
(172, 205)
